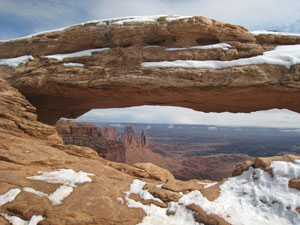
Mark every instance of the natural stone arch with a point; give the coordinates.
(112, 77)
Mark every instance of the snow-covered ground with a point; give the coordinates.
(253, 198)
(88, 52)
(223, 46)
(287, 56)
(15, 62)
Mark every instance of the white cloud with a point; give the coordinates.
(254, 14)
(173, 115)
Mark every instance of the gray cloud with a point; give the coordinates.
(171, 115)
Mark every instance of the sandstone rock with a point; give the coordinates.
(242, 167)
(155, 172)
(208, 219)
(23, 154)
(143, 141)
(294, 183)
(131, 170)
(103, 140)
(264, 162)
(182, 186)
(62, 91)
(162, 194)
(147, 202)
(128, 137)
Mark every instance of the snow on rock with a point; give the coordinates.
(67, 177)
(266, 32)
(15, 62)
(14, 220)
(255, 197)
(88, 52)
(155, 214)
(122, 20)
(9, 196)
(33, 191)
(208, 185)
(137, 188)
(74, 64)
(223, 46)
(287, 56)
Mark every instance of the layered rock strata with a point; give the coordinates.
(112, 74)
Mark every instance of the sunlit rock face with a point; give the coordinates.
(62, 77)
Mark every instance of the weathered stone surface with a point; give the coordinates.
(294, 183)
(155, 172)
(24, 153)
(162, 194)
(103, 140)
(241, 168)
(115, 77)
(182, 186)
(208, 219)
(264, 162)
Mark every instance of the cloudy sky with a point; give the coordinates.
(23, 17)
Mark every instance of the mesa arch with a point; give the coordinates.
(114, 76)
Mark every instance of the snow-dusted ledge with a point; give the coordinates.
(254, 197)
(88, 52)
(287, 56)
(74, 64)
(67, 177)
(133, 19)
(119, 21)
(15, 62)
(266, 32)
(223, 46)
(14, 220)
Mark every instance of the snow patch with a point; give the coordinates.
(74, 64)
(255, 197)
(223, 46)
(9, 196)
(160, 185)
(14, 220)
(88, 52)
(152, 46)
(157, 215)
(15, 62)
(137, 188)
(287, 56)
(67, 177)
(258, 32)
(33, 191)
(122, 20)
(208, 185)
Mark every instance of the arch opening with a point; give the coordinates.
(191, 144)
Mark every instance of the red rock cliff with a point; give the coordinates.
(103, 140)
